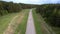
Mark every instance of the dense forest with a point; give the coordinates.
(10, 7)
(50, 13)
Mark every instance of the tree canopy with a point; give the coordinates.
(51, 13)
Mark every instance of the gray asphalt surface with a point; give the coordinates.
(30, 24)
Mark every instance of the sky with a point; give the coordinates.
(34, 1)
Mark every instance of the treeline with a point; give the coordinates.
(51, 13)
(10, 7)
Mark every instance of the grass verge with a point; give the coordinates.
(41, 26)
(5, 20)
(37, 22)
(56, 30)
(22, 26)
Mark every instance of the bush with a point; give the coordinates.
(51, 13)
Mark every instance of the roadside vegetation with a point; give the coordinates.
(51, 15)
(5, 20)
(8, 10)
(10, 7)
(36, 22)
(49, 12)
(21, 29)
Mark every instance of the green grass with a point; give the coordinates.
(37, 22)
(5, 20)
(56, 30)
(37, 18)
(22, 26)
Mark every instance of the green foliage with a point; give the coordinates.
(22, 26)
(37, 22)
(5, 20)
(3, 12)
(10, 7)
(51, 13)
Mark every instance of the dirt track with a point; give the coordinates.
(13, 24)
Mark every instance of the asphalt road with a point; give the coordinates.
(30, 24)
